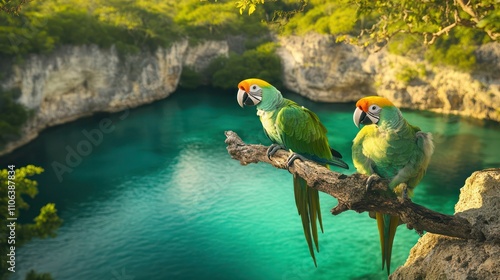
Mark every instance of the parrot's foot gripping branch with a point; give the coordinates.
(372, 179)
(293, 157)
(273, 149)
(405, 192)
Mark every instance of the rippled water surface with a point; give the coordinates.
(158, 197)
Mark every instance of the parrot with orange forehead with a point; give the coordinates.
(295, 128)
(390, 148)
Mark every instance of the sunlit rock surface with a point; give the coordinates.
(77, 81)
(440, 257)
(418, 85)
(322, 70)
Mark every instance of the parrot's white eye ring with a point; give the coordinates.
(375, 109)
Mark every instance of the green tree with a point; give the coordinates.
(429, 19)
(12, 6)
(336, 18)
(13, 116)
(130, 25)
(227, 72)
(442, 31)
(15, 183)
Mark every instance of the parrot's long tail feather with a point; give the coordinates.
(387, 226)
(318, 208)
(333, 161)
(338, 162)
(307, 201)
(312, 218)
(335, 153)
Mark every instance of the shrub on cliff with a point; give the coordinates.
(129, 25)
(444, 32)
(13, 116)
(190, 79)
(11, 201)
(227, 72)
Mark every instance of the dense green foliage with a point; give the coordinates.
(12, 6)
(190, 79)
(13, 116)
(453, 29)
(226, 72)
(324, 17)
(457, 49)
(129, 24)
(45, 224)
(410, 73)
(132, 25)
(135, 25)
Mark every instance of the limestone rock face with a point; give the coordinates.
(322, 70)
(76, 81)
(440, 257)
(418, 85)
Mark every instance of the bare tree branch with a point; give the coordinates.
(466, 7)
(351, 193)
(13, 6)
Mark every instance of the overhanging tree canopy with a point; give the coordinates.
(381, 20)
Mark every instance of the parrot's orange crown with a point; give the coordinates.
(245, 84)
(365, 102)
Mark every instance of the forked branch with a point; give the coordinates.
(351, 193)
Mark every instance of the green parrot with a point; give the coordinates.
(390, 148)
(295, 128)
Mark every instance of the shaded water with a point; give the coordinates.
(158, 197)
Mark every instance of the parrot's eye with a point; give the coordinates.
(254, 87)
(374, 109)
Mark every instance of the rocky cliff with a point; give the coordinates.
(441, 257)
(77, 81)
(322, 70)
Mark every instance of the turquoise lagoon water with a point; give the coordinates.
(158, 197)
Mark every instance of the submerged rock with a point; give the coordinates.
(441, 257)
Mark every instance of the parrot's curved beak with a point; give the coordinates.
(360, 117)
(242, 97)
(246, 99)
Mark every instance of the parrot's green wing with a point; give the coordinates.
(401, 156)
(408, 153)
(301, 131)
